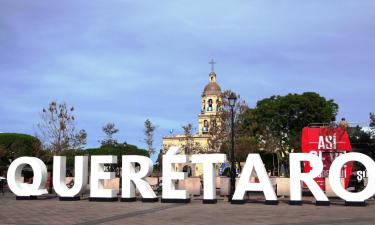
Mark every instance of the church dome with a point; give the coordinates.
(212, 88)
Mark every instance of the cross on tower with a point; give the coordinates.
(212, 62)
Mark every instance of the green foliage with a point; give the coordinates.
(288, 115)
(361, 141)
(13, 145)
(277, 122)
(119, 149)
(269, 161)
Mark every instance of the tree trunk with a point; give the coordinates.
(278, 166)
(273, 164)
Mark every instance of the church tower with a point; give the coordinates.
(210, 105)
(208, 118)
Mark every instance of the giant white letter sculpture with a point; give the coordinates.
(297, 177)
(132, 179)
(80, 177)
(97, 177)
(335, 178)
(24, 190)
(209, 183)
(254, 162)
(170, 194)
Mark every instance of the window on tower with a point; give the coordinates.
(205, 126)
(209, 108)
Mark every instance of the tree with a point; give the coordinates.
(190, 147)
(57, 128)
(243, 145)
(220, 126)
(220, 129)
(287, 115)
(217, 133)
(189, 141)
(14, 145)
(109, 129)
(274, 144)
(149, 136)
(2, 151)
(159, 163)
(276, 123)
(361, 141)
(80, 139)
(126, 149)
(372, 119)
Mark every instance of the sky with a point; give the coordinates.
(126, 61)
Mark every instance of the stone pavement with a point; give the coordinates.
(52, 211)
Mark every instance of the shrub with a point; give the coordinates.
(13, 145)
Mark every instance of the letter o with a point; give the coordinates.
(335, 177)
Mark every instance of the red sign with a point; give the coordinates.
(327, 143)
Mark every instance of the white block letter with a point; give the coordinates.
(39, 179)
(80, 176)
(209, 183)
(335, 175)
(169, 188)
(296, 176)
(132, 179)
(254, 162)
(98, 176)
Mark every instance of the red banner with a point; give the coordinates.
(327, 143)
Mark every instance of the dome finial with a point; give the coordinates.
(212, 62)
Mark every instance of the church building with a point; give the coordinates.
(208, 117)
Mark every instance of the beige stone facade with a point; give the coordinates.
(208, 116)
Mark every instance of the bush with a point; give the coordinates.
(13, 145)
(104, 150)
(116, 150)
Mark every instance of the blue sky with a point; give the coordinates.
(126, 61)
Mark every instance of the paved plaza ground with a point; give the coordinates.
(50, 210)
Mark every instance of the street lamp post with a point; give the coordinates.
(232, 102)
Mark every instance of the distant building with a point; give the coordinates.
(199, 142)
